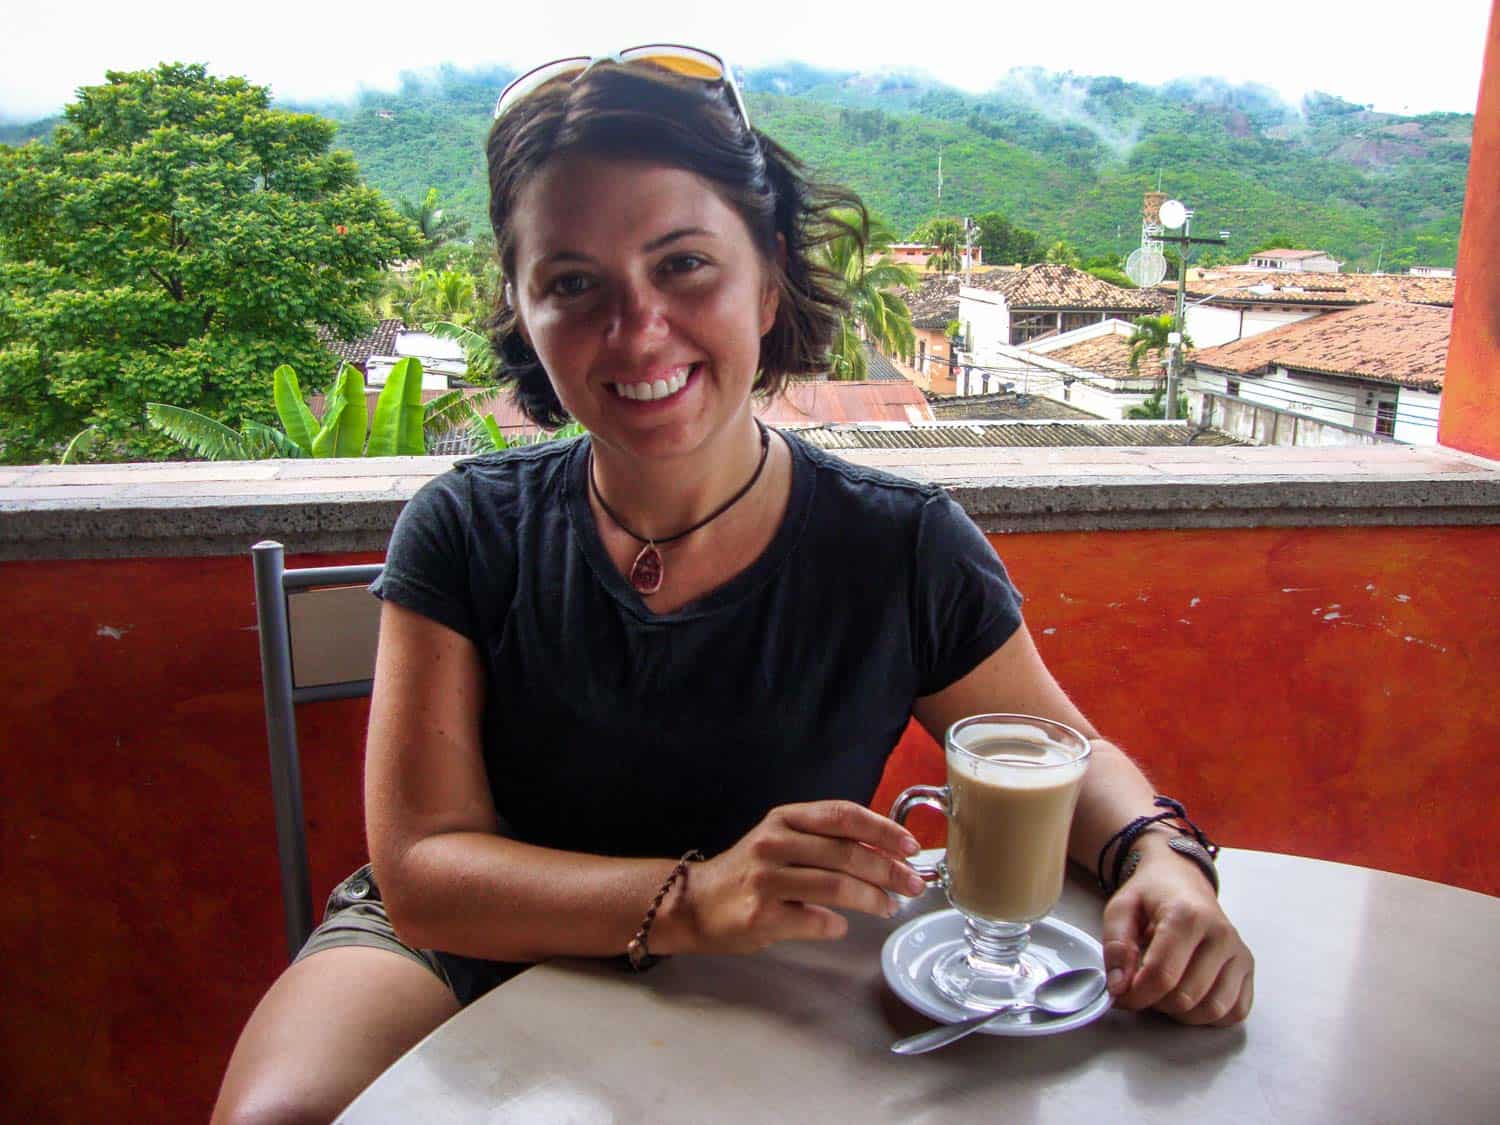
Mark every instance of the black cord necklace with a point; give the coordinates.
(648, 571)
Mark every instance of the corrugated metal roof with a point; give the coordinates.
(1039, 434)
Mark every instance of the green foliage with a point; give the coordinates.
(1062, 253)
(1152, 335)
(175, 238)
(402, 426)
(435, 225)
(1155, 406)
(875, 310)
(1004, 243)
(947, 235)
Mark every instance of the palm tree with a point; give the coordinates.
(447, 296)
(1062, 253)
(436, 226)
(1152, 334)
(947, 235)
(1156, 406)
(876, 313)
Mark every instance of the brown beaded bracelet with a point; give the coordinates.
(636, 953)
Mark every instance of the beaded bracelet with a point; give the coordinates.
(1190, 842)
(636, 953)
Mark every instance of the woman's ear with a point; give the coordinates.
(770, 297)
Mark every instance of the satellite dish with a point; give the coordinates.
(1145, 267)
(1173, 214)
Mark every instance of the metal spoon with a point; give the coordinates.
(1062, 995)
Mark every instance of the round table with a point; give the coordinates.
(1377, 999)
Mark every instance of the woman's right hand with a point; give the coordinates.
(784, 879)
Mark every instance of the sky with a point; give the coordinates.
(311, 50)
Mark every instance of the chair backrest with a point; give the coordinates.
(318, 629)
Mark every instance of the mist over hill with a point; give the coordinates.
(1065, 155)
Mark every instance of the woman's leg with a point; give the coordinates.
(326, 1029)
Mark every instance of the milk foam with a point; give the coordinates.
(1015, 757)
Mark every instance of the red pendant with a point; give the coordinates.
(646, 572)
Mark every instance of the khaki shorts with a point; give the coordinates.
(356, 916)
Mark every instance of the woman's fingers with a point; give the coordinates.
(1173, 944)
(847, 856)
(848, 821)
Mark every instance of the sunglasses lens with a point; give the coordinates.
(690, 68)
(531, 81)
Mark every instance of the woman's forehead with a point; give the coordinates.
(590, 205)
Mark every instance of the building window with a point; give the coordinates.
(922, 355)
(1232, 388)
(1385, 418)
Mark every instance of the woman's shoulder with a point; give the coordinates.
(843, 482)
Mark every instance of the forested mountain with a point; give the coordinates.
(1066, 156)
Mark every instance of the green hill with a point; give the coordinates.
(1064, 155)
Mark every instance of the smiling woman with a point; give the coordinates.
(635, 691)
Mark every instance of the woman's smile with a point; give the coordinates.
(658, 386)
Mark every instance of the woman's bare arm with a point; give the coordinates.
(451, 882)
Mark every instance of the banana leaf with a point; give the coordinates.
(82, 442)
(203, 435)
(344, 417)
(296, 418)
(266, 442)
(397, 428)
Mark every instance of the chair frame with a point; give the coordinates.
(273, 583)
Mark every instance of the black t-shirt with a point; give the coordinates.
(611, 730)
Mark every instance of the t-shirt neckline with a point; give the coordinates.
(619, 588)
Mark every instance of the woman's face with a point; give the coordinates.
(645, 298)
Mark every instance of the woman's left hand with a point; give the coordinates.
(1168, 944)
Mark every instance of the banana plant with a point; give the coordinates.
(399, 427)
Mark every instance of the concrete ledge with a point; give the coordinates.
(221, 508)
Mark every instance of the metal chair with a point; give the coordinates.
(318, 630)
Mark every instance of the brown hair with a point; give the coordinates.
(641, 112)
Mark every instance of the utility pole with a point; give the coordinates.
(1173, 216)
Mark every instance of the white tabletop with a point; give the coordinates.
(1377, 999)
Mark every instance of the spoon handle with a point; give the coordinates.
(936, 1037)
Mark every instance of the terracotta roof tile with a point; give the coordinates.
(1107, 355)
(1291, 255)
(1384, 341)
(380, 341)
(1053, 286)
(1328, 289)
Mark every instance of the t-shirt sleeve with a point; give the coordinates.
(965, 605)
(427, 561)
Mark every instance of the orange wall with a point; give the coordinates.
(1470, 414)
(1329, 692)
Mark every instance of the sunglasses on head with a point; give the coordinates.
(690, 62)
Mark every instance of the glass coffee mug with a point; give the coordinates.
(1013, 783)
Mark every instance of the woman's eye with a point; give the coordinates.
(570, 285)
(684, 263)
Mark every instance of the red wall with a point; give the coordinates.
(139, 917)
(1470, 413)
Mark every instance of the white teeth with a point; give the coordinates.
(654, 389)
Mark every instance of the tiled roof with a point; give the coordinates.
(1053, 286)
(1384, 341)
(879, 369)
(1328, 289)
(1006, 407)
(1011, 434)
(933, 303)
(381, 341)
(1107, 355)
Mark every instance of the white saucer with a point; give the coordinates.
(908, 954)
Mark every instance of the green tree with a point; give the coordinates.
(876, 312)
(1062, 253)
(1006, 244)
(436, 225)
(947, 236)
(176, 238)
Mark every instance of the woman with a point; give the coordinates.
(683, 633)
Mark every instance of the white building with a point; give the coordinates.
(1294, 261)
(1370, 373)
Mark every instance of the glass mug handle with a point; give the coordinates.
(934, 797)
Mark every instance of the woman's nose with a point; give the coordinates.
(637, 317)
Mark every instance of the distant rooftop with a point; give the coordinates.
(1384, 341)
(1006, 407)
(1012, 434)
(380, 341)
(1046, 285)
(879, 369)
(1241, 286)
(1290, 255)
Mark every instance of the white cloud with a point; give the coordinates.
(308, 50)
